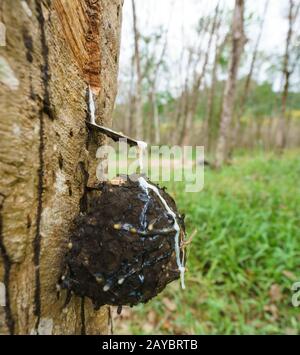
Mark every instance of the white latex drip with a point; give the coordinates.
(142, 146)
(180, 263)
(92, 106)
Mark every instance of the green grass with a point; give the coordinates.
(244, 258)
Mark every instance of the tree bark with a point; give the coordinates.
(238, 41)
(54, 51)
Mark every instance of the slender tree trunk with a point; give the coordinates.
(153, 83)
(182, 103)
(138, 113)
(186, 94)
(286, 77)
(241, 106)
(188, 121)
(130, 121)
(210, 121)
(154, 120)
(238, 41)
(54, 50)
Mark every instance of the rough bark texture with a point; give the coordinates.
(54, 50)
(238, 42)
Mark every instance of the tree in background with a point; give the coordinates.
(238, 42)
(211, 122)
(287, 70)
(242, 102)
(183, 98)
(147, 61)
(138, 99)
(193, 96)
(152, 77)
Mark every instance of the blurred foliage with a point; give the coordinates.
(262, 100)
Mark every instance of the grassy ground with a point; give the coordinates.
(243, 260)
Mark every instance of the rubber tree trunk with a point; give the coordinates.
(54, 50)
